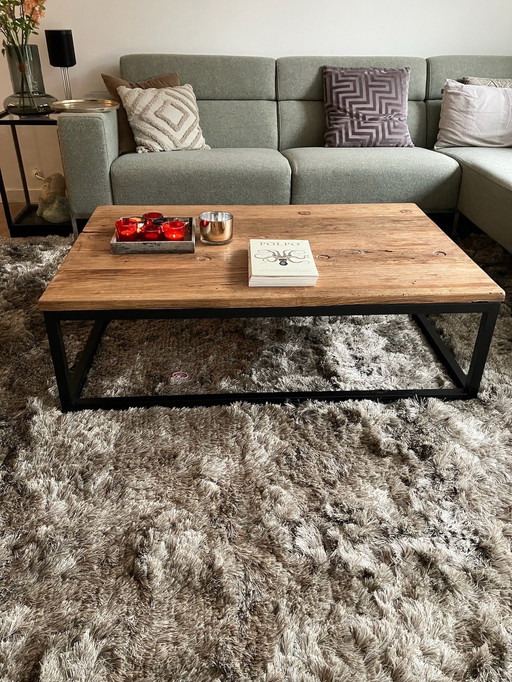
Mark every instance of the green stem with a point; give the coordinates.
(26, 97)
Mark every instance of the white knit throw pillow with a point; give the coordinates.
(163, 119)
(475, 116)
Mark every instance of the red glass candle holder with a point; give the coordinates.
(150, 232)
(174, 230)
(126, 229)
(151, 215)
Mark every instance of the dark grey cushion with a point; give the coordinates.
(366, 107)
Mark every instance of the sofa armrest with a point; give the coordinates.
(88, 144)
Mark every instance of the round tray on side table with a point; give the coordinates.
(84, 106)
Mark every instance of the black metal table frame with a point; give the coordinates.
(71, 380)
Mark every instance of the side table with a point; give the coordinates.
(26, 223)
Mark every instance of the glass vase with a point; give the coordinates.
(29, 97)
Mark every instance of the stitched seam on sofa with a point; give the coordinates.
(278, 112)
(428, 81)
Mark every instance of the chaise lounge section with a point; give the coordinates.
(485, 195)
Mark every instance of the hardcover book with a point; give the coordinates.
(281, 263)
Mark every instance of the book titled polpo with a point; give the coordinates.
(281, 263)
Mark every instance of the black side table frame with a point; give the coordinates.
(26, 223)
(71, 380)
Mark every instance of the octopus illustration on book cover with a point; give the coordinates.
(282, 257)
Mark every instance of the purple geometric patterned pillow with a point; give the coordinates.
(366, 107)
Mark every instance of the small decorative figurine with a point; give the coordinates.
(53, 204)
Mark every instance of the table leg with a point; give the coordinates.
(481, 350)
(74, 225)
(5, 203)
(71, 381)
(20, 165)
(59, 359)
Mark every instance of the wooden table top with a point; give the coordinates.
(365, 254)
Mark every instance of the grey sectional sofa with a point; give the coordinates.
(264, 119)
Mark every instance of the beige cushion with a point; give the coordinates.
(163, 119)
(489, 82)
(126, 141)
(475, 116)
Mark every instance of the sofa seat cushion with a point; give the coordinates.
(215, 176)
(493, 163)
(486, 189)
(374, 175)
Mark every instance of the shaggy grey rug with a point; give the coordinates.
(327, 542)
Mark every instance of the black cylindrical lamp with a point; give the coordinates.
(61, 52)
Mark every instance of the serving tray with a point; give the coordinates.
(186, 245)
(84, 106)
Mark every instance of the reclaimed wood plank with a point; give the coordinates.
(365, 254)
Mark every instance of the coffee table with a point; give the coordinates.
(373, 259)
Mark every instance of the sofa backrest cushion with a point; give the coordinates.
(235, 95)
(457, 67)
(300, 96)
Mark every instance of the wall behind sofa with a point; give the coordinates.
(105, 29)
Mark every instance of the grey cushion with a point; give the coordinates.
(495, 164)
(458, 67)
(211, 76)
(433, 112)
(301, 77)
(486, 189)
(228, 123)
(302, 123)
(366, 107)
(373, 175)
(235, 95)
(216, 176)
(300, 94)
